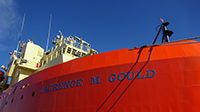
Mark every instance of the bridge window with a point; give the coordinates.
(78, 53)
(69, 50)
(74, 51)
(83, 54)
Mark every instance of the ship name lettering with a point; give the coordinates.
(95, 81)
(132, 75)
(62, 85)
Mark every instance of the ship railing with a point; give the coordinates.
(84, 46)
(67, 42)
(77, 45)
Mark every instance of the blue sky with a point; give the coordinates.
(106, 24)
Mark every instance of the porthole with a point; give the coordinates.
(33, 93)
(22, 97)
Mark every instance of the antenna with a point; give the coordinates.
(166, 33)
(21, 31)
(49, 32)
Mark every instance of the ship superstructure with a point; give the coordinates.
(31, 58)
(66, 49)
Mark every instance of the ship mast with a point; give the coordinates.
(166, 33)
(49, 32)
(21, 31)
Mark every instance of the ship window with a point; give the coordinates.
(78, 53)
(63, 50)
(15, 62)
(44, 62)
(74, 51)
(69, 50)
(83, 54)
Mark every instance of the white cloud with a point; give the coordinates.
(9, 23)
(9, 19)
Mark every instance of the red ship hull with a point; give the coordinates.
(161, 78)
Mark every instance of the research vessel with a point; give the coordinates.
(73, 77)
